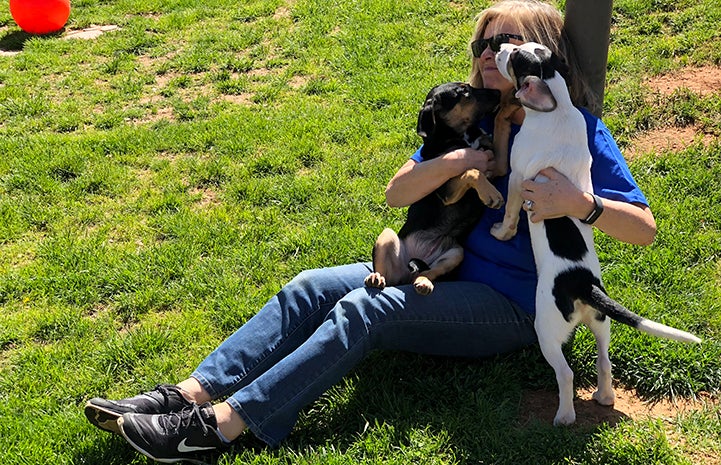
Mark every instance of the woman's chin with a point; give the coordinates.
(497, 82)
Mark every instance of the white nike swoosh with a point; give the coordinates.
(183, 448)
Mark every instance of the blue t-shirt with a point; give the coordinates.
(508, 266)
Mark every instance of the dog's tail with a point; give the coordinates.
(599, 300)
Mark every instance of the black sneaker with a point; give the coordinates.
(187, 435)
(165, 398)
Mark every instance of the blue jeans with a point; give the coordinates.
(324, 322)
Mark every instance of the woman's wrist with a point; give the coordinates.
(459, 161)
(586, 206)
(454, 163)
(596, 211)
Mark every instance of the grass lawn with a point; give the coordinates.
(160, 182)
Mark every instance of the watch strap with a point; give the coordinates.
(597, 210)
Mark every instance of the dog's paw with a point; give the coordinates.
(501, 232)
(375, 280)
(495, 200)
(564, 418)
(604, 398)
(423, 285)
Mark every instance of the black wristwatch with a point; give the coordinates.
(597, 210)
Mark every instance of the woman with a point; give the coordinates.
(321, 324)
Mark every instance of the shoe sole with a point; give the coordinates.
(119, 424)
(104, 419)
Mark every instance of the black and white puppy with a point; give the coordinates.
(569, 289)
(427, 246)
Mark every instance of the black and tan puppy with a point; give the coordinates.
(427, 246)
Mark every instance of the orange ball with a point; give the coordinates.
(40, 16)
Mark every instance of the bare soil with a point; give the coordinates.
(703, 81)
(542, 405)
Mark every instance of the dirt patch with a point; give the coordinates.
(205, 198)
(542, 405)
(666, 139)
(92, 32)
(702, 80)
(239, 99)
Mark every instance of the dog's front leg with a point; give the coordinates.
(457, 187)
(506, 230)
(423, 283)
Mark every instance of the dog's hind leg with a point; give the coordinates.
(553, 330)
(388, 268)
(601, 329)
(551, 350)
(423, 283)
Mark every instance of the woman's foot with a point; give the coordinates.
(188, 435)
(165, 398)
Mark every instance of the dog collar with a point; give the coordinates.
(597, 210)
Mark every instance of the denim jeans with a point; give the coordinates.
(325, 321)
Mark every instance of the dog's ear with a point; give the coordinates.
(427, 119)
(551, 62)
(560, 65)
(535, 94)
(543, 53)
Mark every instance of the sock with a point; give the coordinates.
(222, 436)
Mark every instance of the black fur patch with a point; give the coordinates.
(572, 285)
(603, 303)
(564, 238)
(580, 284)
(540, 63)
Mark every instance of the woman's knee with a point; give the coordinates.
(363, 306)
(330, 283)
(306, 278)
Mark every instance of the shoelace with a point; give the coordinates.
(165, 392)
(189, 416)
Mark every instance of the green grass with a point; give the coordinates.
(159, 183)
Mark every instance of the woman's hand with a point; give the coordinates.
(553, 198)
(413, 180)
(558, 196)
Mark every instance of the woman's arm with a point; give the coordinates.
(628, 222)
(414, 180)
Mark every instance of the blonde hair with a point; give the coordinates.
(537, 21)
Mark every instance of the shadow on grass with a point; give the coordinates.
(15, 41)
(398, 403)
(476, 411)
(106, 448)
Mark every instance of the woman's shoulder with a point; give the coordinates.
(594, 123)
(600, 140)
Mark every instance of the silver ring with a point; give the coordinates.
(529, 205)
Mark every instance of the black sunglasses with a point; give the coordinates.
(478, 46)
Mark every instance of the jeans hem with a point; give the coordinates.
(252, 426)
